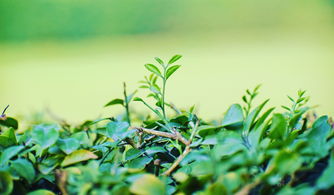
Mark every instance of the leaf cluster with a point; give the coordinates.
(250, 150)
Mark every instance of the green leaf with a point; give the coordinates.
(78, 156)
(9, 153)
(118, 130)
(231, 144)
(114, 102)
(138, 99)
(278, 128)
(233, 116)
(318, 137)
(148, 185)
(45, 135)
(133, 153)
(68, 145)
(252, 116)
(285, 162)
(152, 68)
(6, 183)
(41, 192)
(9, 122)
(326, 180)
(139, 163)
(171, 70)
(174, 59)
(159, 60)
(25, 169)
(8, 138)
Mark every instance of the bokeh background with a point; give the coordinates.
(71, 57)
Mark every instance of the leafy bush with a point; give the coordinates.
(251, 151)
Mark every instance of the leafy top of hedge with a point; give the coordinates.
(252, 150)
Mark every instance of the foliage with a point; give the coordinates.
(250, 151)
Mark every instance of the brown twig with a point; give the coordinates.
(176, 136)
(178, 161)
(247, 188)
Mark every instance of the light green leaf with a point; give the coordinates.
(78, 156)
(45, 135)
(174, 59)
(148, 185)
(152, 68)
(234, 115)
(41, 192)
(171, 70)
(159, 61)
(68, 145)
(118, 130)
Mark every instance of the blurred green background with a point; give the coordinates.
(71, 56)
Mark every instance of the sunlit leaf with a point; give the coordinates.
(148, 185)
(78, 156)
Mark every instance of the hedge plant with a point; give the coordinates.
(250, 150)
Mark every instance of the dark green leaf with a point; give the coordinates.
(114, 102)
(9, 122)
(6, 183)
(25, 169)
(9, 153)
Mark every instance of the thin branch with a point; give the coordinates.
(247, 188)
(3, 112)
(178, 161)
(175, 136)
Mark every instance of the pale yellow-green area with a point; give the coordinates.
(75, 79)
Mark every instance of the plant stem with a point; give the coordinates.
(175, 136)
(163, 94)
(126, 104)
(178, 160)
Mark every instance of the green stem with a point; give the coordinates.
(163, 94)
(126, 105)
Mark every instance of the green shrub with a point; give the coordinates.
(251, 151)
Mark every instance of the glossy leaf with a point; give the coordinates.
(78, 156)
